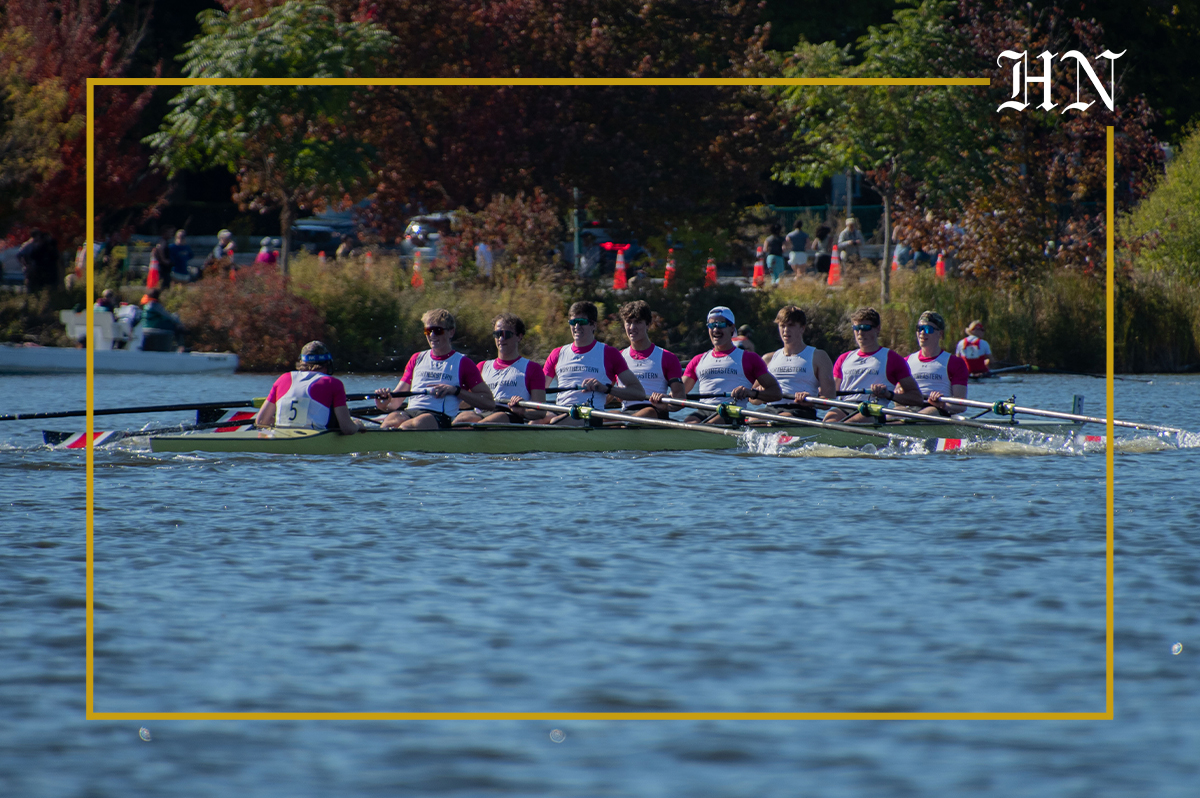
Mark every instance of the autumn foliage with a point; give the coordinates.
(255, 314)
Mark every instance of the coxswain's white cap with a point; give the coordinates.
(723, 312)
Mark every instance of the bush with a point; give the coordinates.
(255, 315)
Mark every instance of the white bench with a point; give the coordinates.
(106, 331)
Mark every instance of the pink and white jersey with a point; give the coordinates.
(859, 370)
(720, 372)
(937, 373)
(795, 373)
(512, 378)
(655, 368)
(306, 399)
(973, 350)
(425, 369)
(572, 366)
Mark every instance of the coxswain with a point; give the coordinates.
(440, 376)
(510, 377)
(309, 397)
(590, 370)
(801, 369)
(726, 370)
(657, 369)
(938, 373)
(975, 350)
(871, 371)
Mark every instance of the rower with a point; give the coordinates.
(975, 350)
(801, 368)
(937, 372)
(309, 397)
(510, 377)
(442, 375)
(589, 369)
(871, 371)
(727, 370)
(657, 369)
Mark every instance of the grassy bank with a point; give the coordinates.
(370, 316)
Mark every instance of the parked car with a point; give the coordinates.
(601, 257)
(424, 233)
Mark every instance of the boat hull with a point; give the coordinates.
(61, 360)
(525, 439)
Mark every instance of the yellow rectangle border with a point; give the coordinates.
(92, 83)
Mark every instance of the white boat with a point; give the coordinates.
(106, 336)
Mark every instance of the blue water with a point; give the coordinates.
(669, 582)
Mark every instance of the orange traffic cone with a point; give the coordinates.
(369, 260)
(710, 272)
(670, 273)
(619, 280)
(835, 268)
(321, 257)
(153, 277)
(940, 268)
(417, 280)
(760, 270)
(895, 263)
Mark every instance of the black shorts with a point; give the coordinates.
(799, 411)
(443, 421)
(513, 418)
(663, 413)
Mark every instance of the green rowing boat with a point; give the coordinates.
(509, 439)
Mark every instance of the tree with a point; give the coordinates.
(641, 155)
(47, 51)
(1009, 181)
(1164, 228)
(290, 147)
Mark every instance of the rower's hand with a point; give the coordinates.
(935, 399)
(514, 404)
(442, 389)
(656, 398)
(593, 384)
(382, 397)
(880, 390)
(801, 397)
(740, 392)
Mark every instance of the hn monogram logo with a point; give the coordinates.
(1081, 63)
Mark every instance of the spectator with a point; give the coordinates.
(483, 259)
(265, 255)
(162, 256)
(38, 257)
(225, 247)
(821, 248)
(773, 248)
(797, 247)
(180, 253)
(156, 317)
(107, 301)
(850, 239)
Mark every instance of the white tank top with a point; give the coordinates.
(649, 371)
(297, 409)
(429, 372)
(795, 373)
(575, 367)
(506, 382)
(723, 374)
(862, 371)
(931, 375)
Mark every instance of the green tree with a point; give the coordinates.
(1164, 228)
(291, 147)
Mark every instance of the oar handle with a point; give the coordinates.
(734, 411)
(586, 412)
(1009, 408)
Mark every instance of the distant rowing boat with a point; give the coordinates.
(64, 360)
(519, 439)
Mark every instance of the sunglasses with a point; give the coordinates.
(503, 334)
(863, 327)
(717, 325)
(928, 329)
(435, 330)
(578, 322)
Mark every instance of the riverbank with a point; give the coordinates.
(370, 315)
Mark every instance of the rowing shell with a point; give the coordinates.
(519, 439)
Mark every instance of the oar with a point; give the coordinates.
(116, 411)
(1026, 367)
(1040, 370)
(54, 438)
(871, 409)
(734, 411)
(689, 396)
(1010, 409)
(585, 412)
